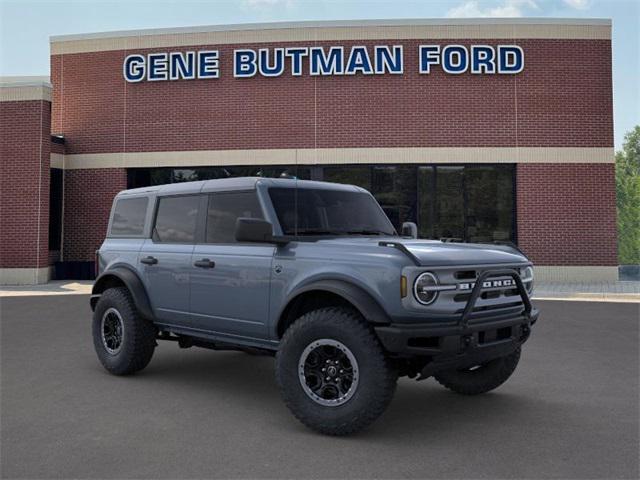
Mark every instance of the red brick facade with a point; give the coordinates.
(566, 214)
(562, 98)
(559, 100)
(87, 203)
(24, 183)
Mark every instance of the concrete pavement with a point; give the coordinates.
(570, 410)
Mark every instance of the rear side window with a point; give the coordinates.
(224, 210)
(176, 219)
(128, 217)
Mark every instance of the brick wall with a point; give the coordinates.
(87, 203)
(567, 213)
(57, 148)
(562, 98)
(24, 183)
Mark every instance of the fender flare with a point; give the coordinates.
(355, 295)
(133, 283)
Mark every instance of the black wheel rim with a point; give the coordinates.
(328, 372)
(112, 329)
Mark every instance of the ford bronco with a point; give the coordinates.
(315, 274)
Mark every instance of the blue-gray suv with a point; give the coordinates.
(315, 274)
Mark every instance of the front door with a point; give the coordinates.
(165, 259)
(230, 281)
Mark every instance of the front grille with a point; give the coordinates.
(499, 295)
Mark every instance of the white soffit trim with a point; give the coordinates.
(573, 274)
(24, 276)
(15, 89)
(57, 160)
(557, 28)
(408, 155)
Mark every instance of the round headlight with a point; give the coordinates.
(527, 278)
(424, 288)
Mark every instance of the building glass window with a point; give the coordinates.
(55, 209)
(350, 175)
(426, 202)
(489, 203)
(145, 177)
(395, 188)
(449, 203)
(472, 203)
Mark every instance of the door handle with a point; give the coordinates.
(204, 263)
(149, 260)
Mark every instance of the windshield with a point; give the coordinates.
(328, 212)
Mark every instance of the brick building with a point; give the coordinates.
(478, 130)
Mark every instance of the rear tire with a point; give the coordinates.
(482, 379)
(123, 340)
(357, 384)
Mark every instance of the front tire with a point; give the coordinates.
(123, 340)
(333, 373)
(481, 379)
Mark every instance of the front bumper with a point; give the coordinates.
(470, 341)
(435, 339)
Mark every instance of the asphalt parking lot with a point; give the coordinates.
(570, 411)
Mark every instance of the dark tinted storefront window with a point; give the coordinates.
(55, 209)
(449, 203)
(489, 203)
(473, 203)
(426, 201)
(394, 187)
(144, 177)
(360, 176)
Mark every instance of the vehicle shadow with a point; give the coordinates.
(422, 408)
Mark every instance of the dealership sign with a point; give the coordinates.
(325, 61)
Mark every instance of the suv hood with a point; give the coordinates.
(436, 253)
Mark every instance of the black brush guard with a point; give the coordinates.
(460, 345)
(477, 291)
(471, 353)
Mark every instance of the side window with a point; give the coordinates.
(176, 219)
(224, 210)
(128, 217)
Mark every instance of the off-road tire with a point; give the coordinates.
(481, 380)
(138, 341)
(377, 377)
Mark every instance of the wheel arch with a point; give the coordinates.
(325, 293)
(123, 277)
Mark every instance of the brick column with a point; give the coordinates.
(25, 145)
(567, 220)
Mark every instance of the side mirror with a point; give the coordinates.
(256, 230)
(409, 229)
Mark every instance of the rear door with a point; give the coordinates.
(230, 281)
(165, 258)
